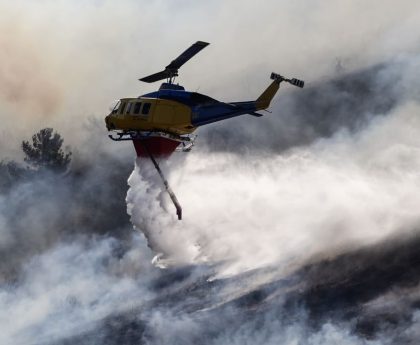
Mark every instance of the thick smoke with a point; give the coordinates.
(300, 227)
(354, 188)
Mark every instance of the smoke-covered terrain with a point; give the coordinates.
(300, 227)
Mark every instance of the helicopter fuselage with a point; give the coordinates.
(173, 110)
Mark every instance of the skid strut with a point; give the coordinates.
(167, 187)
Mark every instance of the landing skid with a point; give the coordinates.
(187, 145)
(187, 140)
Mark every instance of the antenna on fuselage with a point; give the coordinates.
(171, 71)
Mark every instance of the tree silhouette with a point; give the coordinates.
(45, 152)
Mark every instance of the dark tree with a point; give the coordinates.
(45, 152)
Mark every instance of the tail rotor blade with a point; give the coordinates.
(297, 82)
(293, 81)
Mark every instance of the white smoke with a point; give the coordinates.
(251, 211)
(240, 212)
(185, 331)
(69, 289)
(66, 295)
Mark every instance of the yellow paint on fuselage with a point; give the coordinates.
(163, 115)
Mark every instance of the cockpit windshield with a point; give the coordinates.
(114, 106)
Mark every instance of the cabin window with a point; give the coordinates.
(146, 108)
(122, 108)
(129, 108)
(114, 106)
(137, 107)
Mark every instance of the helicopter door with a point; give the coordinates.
(121, 109)
(136, 108)
(145, 109)
(136, 111)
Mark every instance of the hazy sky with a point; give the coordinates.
(63, 61)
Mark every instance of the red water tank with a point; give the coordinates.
(157, 146)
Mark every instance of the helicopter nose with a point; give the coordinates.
(107, 122)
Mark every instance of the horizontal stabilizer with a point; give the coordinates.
(253, 113)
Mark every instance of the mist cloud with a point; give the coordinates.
(345, 191)
(272, 206)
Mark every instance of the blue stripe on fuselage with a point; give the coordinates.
(185, 97)
(204, 109)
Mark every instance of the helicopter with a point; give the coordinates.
(163, 121)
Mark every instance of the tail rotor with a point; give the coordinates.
(293, 81)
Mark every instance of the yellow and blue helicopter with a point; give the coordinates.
(161, 121)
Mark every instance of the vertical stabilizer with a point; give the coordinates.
(263, 102)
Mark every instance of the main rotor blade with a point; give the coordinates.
(172, 69)
(186, 55)
(155, 77)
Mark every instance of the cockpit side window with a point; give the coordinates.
(129, 108)
(137, 107)
(114, 106)
(122, 108)
(146, 108)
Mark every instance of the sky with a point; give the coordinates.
(65, 61)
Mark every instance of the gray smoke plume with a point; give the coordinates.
(300, 227)
(349, 180)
